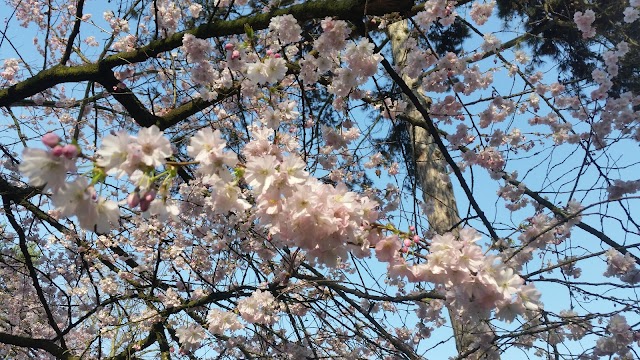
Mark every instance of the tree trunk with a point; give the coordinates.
(437, 190)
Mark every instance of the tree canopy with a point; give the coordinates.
(329, 179)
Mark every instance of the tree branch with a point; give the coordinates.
(345, 10)
(43, 344)
(428, 125)
(74, 32)
(31, 268)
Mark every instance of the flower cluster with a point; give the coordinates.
(298, 209)
(220, 321)
(260, 308)
(474, 283)
(190, 337)
(80, 199)
(480, 13)
(267, 71)
(584, 22)
(197, 50)
(285, 28)
(619, 340)
(122, 153)
(117, 24)
(577, 327)
(619, 188)
(10, 69)
(622, 266)
(49, 168)
(434, 10)
(632, 12)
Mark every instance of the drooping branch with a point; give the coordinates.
(417, 296)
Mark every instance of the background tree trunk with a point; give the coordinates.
(433, 180)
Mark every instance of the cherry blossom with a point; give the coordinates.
(336, 181)
(260, 308)
(584, 22)
(43, 168)
(190, 337)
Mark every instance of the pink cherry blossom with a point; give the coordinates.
(220, 321)
(584, 22)
(154, 147)
(260, 308)
(45, 169)
(190, 337)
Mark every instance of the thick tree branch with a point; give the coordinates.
(43, 344)
(345, 9)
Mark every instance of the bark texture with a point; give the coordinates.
(434, 181)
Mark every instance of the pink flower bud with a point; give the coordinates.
(133, 199)
(269, 52)
(144, 204)
(416, 239)
(235, 54)
(149, 195)
(57, 151)
(277, 56)
(404, 249)
(51, 140)
(412, 228)
(70, 151)
(229, 46)
(407, 242)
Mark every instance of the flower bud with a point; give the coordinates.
(133, 199)
(229, 46)
(51, 140)
(144, 204)
(57, 151)
(70, 151)
(149, 195)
